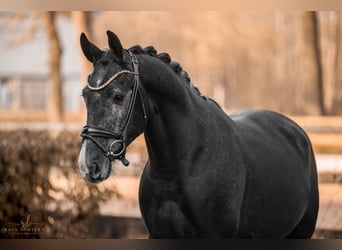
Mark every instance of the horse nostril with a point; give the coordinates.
(96, 170)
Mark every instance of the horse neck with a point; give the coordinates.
(176, 119)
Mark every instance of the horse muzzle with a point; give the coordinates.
(93, 169)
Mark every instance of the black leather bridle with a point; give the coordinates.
(92, 132)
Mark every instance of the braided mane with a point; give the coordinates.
(165, 57)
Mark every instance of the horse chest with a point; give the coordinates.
(185, 209)
(164, 214)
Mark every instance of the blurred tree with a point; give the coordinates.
(338, 89)
(82, 20)
(328, 38)
(55, 106)
(312, 20)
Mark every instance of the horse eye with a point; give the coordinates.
(118, 98)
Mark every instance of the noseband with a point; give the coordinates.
(92, 132)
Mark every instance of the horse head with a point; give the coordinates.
(115, 116)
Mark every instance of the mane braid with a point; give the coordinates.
(164, 57)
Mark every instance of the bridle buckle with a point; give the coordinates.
(122, 148)
(119, 155)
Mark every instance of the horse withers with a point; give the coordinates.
(209, 175)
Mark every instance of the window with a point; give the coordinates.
(7, 89)
(33, 93)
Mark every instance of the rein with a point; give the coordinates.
(92, 132)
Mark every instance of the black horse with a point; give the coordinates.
(209, 175)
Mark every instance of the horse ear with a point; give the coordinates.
(91, 52)
(115, 44)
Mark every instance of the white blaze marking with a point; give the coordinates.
(82, 159)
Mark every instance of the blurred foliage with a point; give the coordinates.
(40, 182)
